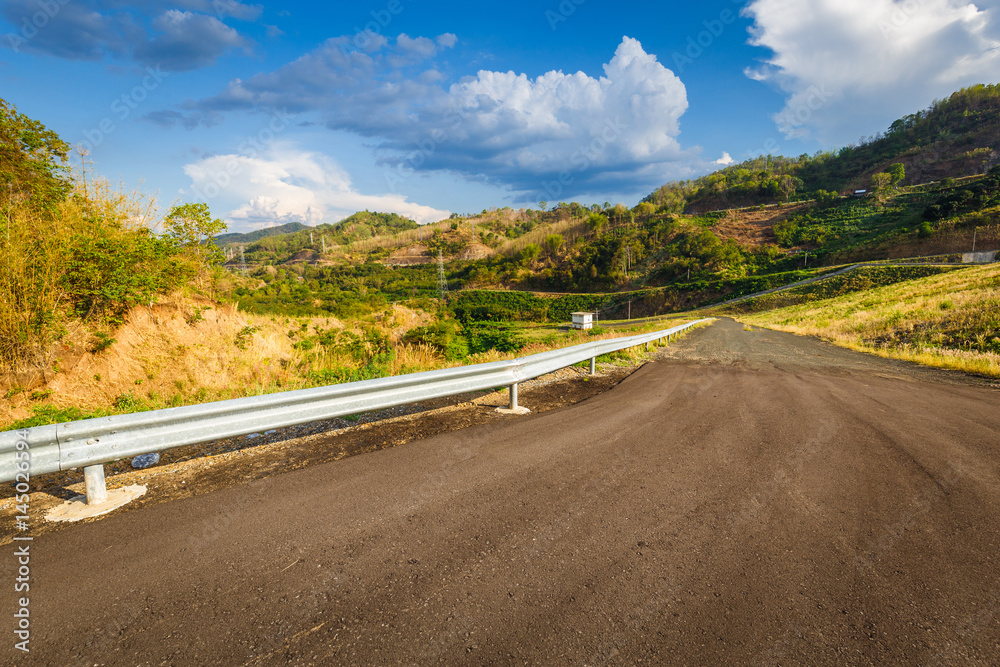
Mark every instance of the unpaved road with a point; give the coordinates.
(758, 498)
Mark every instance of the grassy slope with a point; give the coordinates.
(178, 355)
(950, 320)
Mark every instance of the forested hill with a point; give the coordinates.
(236, 238)
(957, 136)
(357, 227)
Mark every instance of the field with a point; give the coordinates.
(951, 320)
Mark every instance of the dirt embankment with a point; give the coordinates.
(754, 227)
(177, 352)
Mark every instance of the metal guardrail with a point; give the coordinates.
(90, 443)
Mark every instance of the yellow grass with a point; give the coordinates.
(936, 311)
(571, 230)
(163, 356)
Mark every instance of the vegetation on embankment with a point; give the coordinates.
(188, 351)
(951, 320)
(857, 280)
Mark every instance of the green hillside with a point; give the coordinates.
(358, 227)
(235, 238)
(953, 137)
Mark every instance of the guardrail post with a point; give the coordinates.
(593, 365)
(647, 347)
(93, 478)
(513, 396)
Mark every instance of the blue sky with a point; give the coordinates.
(311, 111)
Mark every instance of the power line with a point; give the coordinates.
(442, 280)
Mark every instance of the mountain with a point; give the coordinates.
(245, 239)
(958, 136)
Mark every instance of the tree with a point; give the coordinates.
(530, 253)
(880, 183)
(645, 209)
(897, 171)
(542, 205)
(596, 223)
(32, 161)
(191, 226)
(553, 242)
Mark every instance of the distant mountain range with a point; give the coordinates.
(244, 239)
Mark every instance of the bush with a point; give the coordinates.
(443, 336)
(485, 336)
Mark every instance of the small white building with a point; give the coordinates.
(583, 320)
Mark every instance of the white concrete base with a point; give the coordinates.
(76, 508)
(519, 410)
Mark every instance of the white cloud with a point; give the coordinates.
(725, 160)
(859, 64)
(286, 184)
(554, 135)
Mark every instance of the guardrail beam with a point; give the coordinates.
(91, 443)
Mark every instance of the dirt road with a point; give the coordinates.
(755, 499)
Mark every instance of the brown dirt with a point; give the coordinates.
(754, 226)
(414, 254)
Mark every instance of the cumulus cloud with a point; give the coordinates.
(725, 160)
(555, 135)
(846, 64)
(286, 184)
(175, 35)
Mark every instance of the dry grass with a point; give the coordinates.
(571, 230)
(33, 260)
(950, 320)
(183, 352)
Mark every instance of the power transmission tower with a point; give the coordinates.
(243, 263)
(442, 280)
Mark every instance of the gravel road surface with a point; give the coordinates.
(754, 498)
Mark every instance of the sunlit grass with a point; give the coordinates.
(950, 320)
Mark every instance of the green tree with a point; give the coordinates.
(880, 183)
(33, 166)
(553, 242)
(530, 253)
(191, 226)
(897, 171)
(596, 222)
(542, 205)
(110, 270)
